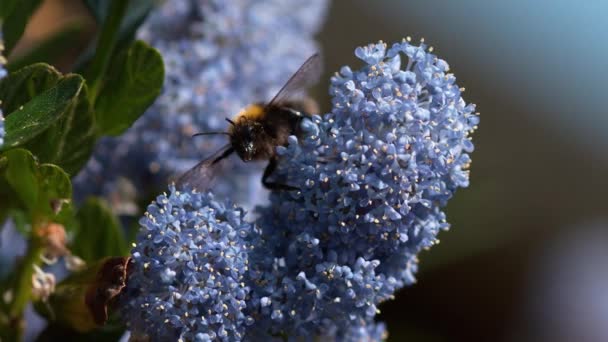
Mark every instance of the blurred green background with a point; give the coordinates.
(525, 259)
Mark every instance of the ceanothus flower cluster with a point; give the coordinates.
(373, 176)
(188, 270)
(219, 57)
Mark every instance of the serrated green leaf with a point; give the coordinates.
(21, 86)
(135, 80)
(36, 116)
(99, 234)
(15, 21)
(70, 140)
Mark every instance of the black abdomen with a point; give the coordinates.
(284, 121)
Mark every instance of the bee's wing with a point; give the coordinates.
(308, 74)
(201, 176)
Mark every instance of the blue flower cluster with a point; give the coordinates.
(219, 57)
(374, 174)
(3, 73)
(188, 270)
(373, 177)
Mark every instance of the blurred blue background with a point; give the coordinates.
(536, 70)
(549, 55)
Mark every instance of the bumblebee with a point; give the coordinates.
(257, 130)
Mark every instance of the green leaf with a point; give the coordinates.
(105, 45)
(30, 120)
(134, 81)
(16, 20)
(54, 183)
(70, 140)
(21, 86)
(21, 174)
(137, 11)
(27, 186)
(99, 234)
(98, 8)
(66, 137)
(33, 187)
(51, 49)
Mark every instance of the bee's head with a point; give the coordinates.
(245, 138)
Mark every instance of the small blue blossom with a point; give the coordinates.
(187, 279)
(373, 176)
(219, 57)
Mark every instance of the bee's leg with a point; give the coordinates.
(272, 165)
(224, 155)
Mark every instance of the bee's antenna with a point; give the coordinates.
(210, 133)
(231, 122)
